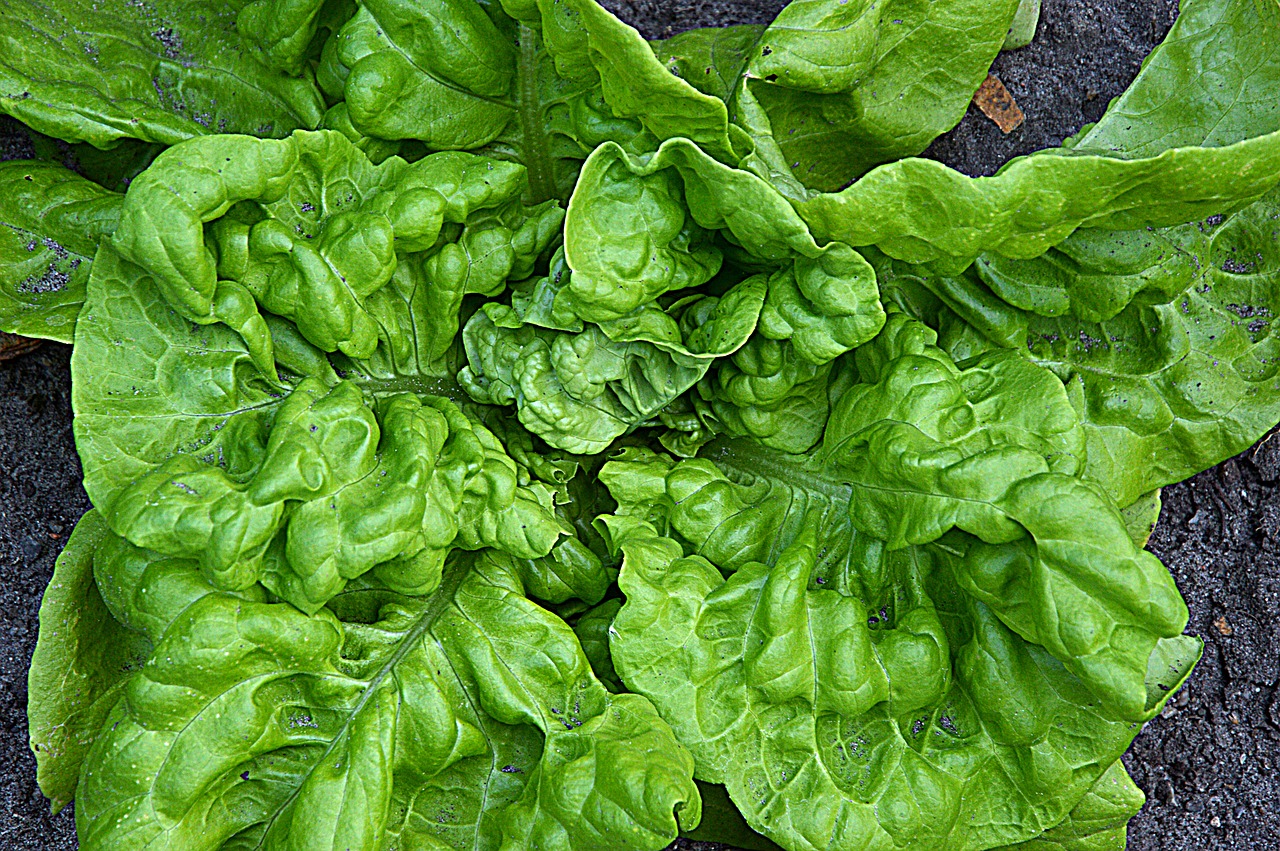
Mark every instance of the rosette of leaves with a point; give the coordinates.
(676, 270)
(307, 433)
(913, 612)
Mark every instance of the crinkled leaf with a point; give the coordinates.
(929, 448)
(1211, 83)
(312, 231)
(580, 390)
(521, 81)
(82, 660)
(1198, 134)
(887, 709)
(637, 228)
(51, 221)
(1098, 822)
(1163, 390)
(922, 452)
(629, 239)
(293, 475)
(159, 71)
(421, 721)
(284, 31)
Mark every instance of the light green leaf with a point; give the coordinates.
(515, 81)
(82, 660)
(580, 390)
(1098, 822)
(419, 721)
(887, 708)
(1197, 135)
(51, 221)
(158, 71)
(1162, 390)
(1210, 82)
(292, 475)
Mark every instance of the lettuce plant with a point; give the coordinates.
(505, 432)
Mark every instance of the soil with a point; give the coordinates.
(1209, 765)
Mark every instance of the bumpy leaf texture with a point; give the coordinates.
(371, 413)
(415, 721)
(254, 444)
(917, 610)
(161, 71)
(610, 338)
(51, 221)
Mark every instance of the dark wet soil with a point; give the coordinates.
(1209, 765)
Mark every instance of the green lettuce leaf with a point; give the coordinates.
(830, 90)
(580, 390)
(1210, 83)
(256, 447)
(930, 603)
(1098, 822)
(1196, 135)
(1163, 390)
(51, 221)
(865, 712)
(83, 659)
(513, 80)
(158, 71)
(599, 347)
(422, 721)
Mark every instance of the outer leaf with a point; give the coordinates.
(829, 90)
(51, 220)
(290, 474)
(920, 211)
(511, 80)
(1098, 822)
(422, 722)
(82, 660)
(820, 116)
(930, 448)
(1165, 390)
(895, 711)
(1209, 83)
(1195, 136)
(162, 72)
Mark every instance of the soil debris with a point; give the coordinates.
(997, 104)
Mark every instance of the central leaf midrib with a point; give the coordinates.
(422, 385)
(533, 137)
(451, 581)
(752, 461)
